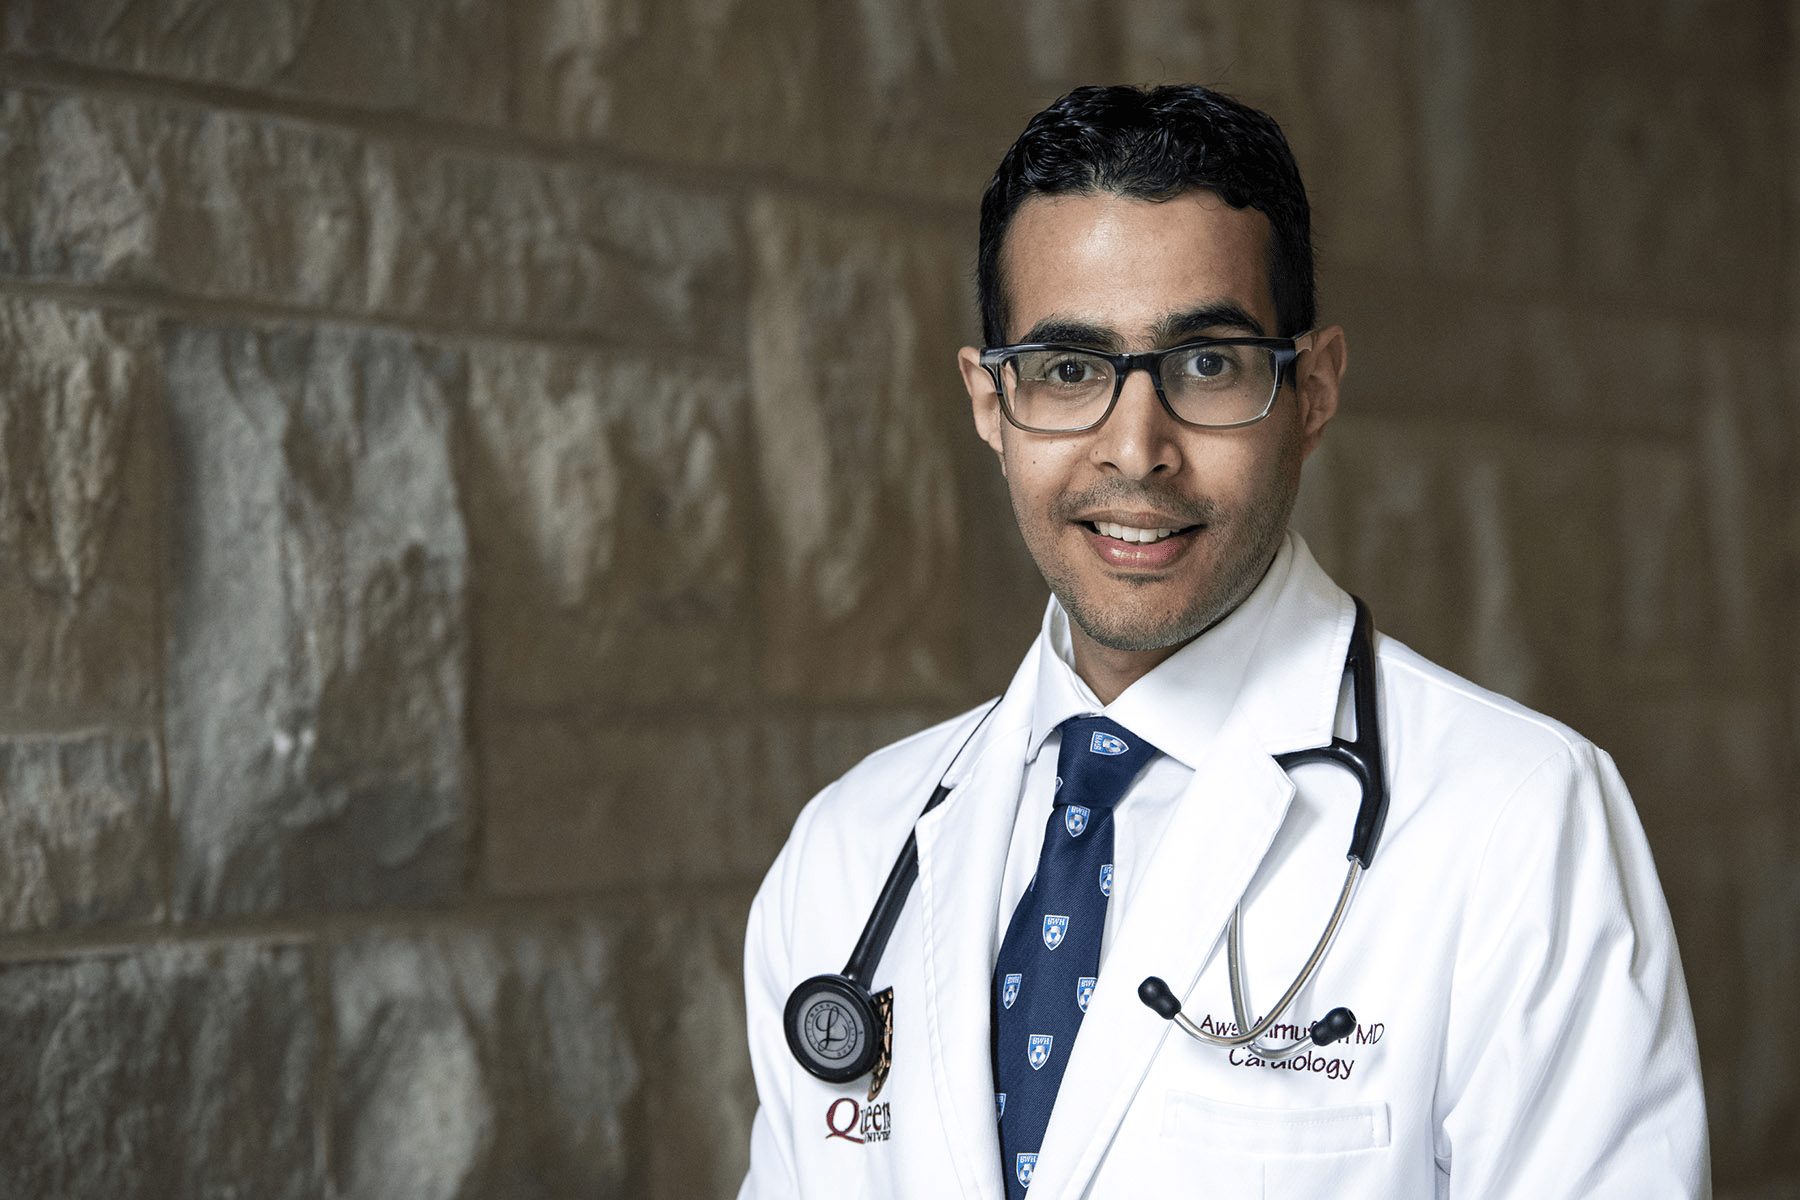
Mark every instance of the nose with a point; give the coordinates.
(1139, 438)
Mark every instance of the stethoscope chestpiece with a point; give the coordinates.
(837, 1028)
(831, 1027)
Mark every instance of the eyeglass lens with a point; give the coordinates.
(1206, 384)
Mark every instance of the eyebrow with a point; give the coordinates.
(1208, 318)
(1224, 317)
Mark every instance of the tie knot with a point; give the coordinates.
(1098, 760)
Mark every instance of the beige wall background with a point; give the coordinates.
(470, 470)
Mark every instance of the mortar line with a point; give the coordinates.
(322, 931)
(30, 73)
(161, 303)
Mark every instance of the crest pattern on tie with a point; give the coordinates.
(1049, 960)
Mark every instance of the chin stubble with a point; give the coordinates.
(1137, 630)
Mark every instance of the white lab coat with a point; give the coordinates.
(1524, 1030)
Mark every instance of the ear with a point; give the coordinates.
(1318, 373)
(990, 422)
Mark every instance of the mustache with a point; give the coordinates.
(1126, 493)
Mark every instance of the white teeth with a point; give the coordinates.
(1126, 533)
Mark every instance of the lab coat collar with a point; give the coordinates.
(1268, 654)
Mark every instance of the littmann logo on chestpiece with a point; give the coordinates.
(1106, 743)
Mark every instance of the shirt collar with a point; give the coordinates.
(1179, 705)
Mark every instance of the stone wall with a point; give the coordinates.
(470, 470)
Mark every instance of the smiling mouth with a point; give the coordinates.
(1129, 533)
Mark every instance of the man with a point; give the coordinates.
(1520, 1028)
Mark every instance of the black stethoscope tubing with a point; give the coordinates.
(845, 997)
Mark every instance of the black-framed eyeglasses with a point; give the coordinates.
(1215, 383)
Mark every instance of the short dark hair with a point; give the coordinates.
(1155, 144)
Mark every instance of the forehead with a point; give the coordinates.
(1124, 264)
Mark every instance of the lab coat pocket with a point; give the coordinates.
(1214, 1125)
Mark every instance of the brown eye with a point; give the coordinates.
(1204, 364)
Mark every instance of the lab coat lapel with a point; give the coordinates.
(962, 859)
(1217, 838)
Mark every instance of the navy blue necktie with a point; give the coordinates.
(1051, 953)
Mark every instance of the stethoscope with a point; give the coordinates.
(831, 1021)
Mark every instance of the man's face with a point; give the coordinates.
(1130, 275)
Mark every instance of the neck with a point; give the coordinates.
(1109, 672)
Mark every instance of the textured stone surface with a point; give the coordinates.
(660, 301)
(691, 1126)
(612, 523)
(856, 400)
(1660, 172)
(1474, 546)
(1431, 353)
(1738, 886)
(1248, 48)
(580, 804)
(437, 60)
(161, 1072)
(568, 247)
(1609, 174)
(79, 830)
(317, 648)
(902, 94)
(480, 1063)
(223, 205)
(80, 420)
(1354, 130)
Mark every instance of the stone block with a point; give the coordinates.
(1734, 890)
(585, 805)
(1485, 551)
(1567, 161)
(480, 1062)
(231, 206)
(435, 60)
(918, 97)
(569, 247)
(181, 197)
(1715, 40)
(692, 1116)
(175, 1070)
(1356, 136)
(1246, 48)
(80, 426)
(857, 404)
(317, 648)
(902, 92)
(1430, 351)
(79, 830)
(1492, 96)
(612, 523)
(1675, 192)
